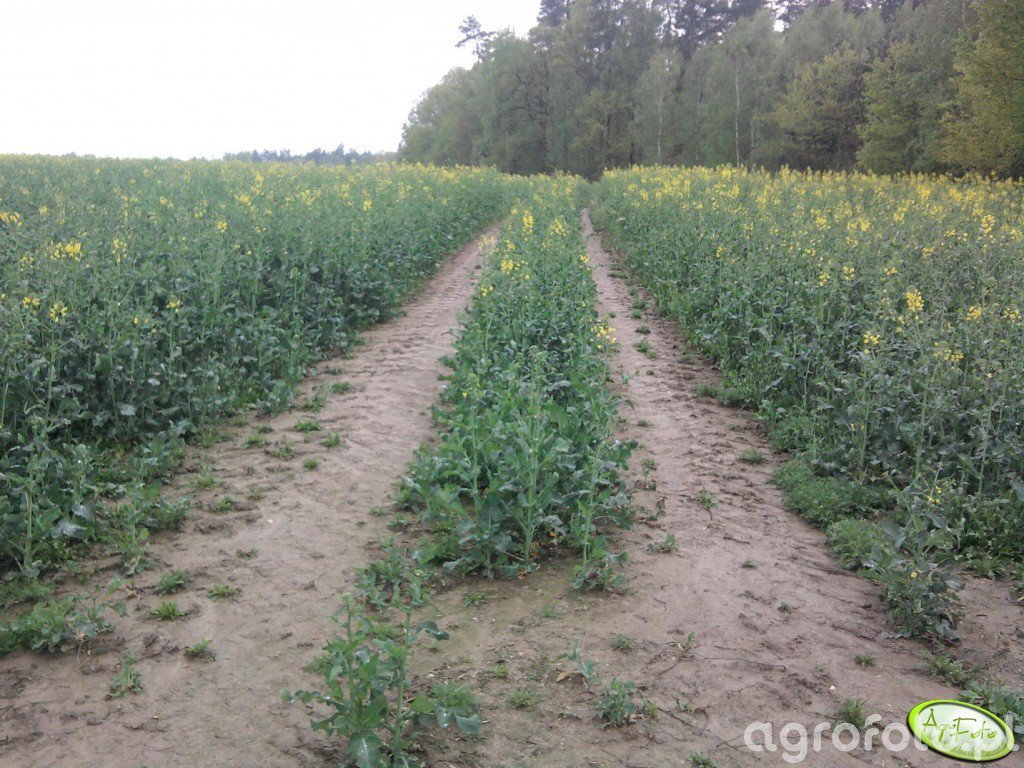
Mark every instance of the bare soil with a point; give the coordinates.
(749, 619)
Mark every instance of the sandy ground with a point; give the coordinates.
(311, 529)
(748, 620)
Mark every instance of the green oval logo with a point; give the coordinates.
(961, 730)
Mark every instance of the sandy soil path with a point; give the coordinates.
(305, 531)
(749, 620)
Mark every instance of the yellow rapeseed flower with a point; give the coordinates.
(915, 302)
(58, 312)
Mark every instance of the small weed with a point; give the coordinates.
(707, 389)
(172, 582)
(168, 611)
(753, 456)
(256, 441)
(333, 440)
(665, 547)
(616, 705)
(310, 425)
(785, 607)
(499, 671)
(454, 699)
(205, 482)
(224, 592)
(50, 624)
(255, 494)
(225, 504)
(639, 304)
(852, 712)
(700, 760)
(688, 644)
(127, 680)
(550, 612)
(748, 564)
(855, 542)
(281, 450)
(643, 330)
(949, 669)
(706, 500)
(865, 660)
(340, 387)
(644, 423)
(247, 554)
(523, 697)
(623, 644)
(636, 314)
(585, 668)
(310, 464)
(645, 348)
(264, 429)
(200, 650)
(316, 402)
(474, 598)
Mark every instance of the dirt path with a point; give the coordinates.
(749, 620)
(291, 541)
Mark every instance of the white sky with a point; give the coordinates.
(181, 78)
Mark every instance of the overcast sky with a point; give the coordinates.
(181, 78)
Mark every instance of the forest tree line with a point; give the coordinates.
(337, 156)
(878, 85)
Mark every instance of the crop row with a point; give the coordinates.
(526, 461)
(876, 326)
(141, 300)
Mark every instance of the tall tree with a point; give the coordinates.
(986, 132)
(690, 24)
(910, 88)
(820, 111)
(554, 12)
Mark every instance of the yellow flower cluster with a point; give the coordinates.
(69, 250)
(915, 302)
(174, 305)
(947, 354)
(557, 228)
(603, 334)
(30, 302)
(119, 248)
(9, 217)
(58, 312)
(871, 340)
(510, 265)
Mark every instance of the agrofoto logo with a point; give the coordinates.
(961, 730)
(952, 728)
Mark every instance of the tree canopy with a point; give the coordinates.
(879, 85)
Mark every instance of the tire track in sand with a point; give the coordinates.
(312, 529)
